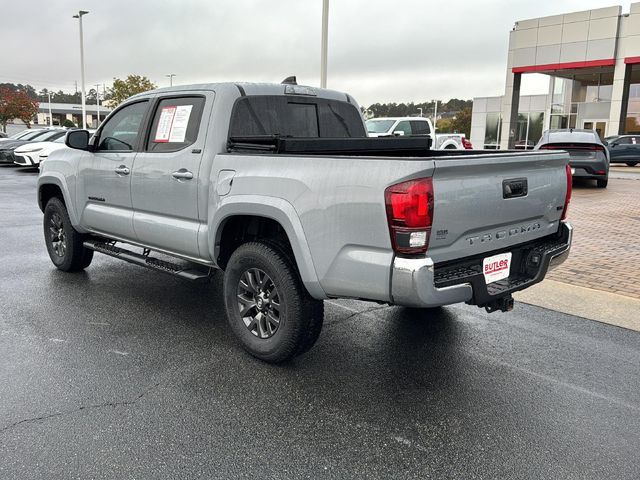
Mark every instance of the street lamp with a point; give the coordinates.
(84, 106)
(50, 114)
(170, 76)
(98, 102)
(324, 46)
(435, 115)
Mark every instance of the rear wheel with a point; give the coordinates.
(602, 183)
(268, 308)
(631, 164)
(64, 243)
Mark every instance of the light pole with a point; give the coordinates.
(84, 106)
(170, 76)
(420, 108)
(98, 102)
(323, 50)
(50, 115)
(435, 115)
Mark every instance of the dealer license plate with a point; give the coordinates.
(496, 267)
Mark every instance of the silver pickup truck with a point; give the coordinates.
(279, 186)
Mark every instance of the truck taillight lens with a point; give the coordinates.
(567, 198)
(466, 144)
(410, 215)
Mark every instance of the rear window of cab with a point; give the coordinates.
(287, 116)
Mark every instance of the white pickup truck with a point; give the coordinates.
(280, 187)
(416, 126)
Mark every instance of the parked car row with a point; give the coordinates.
(29, 148)
(10, 144)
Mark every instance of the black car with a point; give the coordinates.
(589, 158)
(7, 146)
(624, 149)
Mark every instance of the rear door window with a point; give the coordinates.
(175, 124)
(420, 127)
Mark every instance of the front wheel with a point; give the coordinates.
(631, 164)
(64, 243)
(268, 308)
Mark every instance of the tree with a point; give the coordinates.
(19, 87)
(16, 104)
(445, 125)
(462, 122)
(123, 89)
(412, 109)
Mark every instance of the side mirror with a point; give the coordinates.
(78, 139)
(398, 133)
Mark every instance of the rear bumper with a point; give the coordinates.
(584, 169)
(419, 282)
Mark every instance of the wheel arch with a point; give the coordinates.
(53, 186)
(450, 144)
(259, 214)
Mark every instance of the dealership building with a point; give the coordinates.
(592, 60)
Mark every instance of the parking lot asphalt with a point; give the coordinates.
(120, 372)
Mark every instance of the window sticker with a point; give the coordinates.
(180, 122)
(163, 132)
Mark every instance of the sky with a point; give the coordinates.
(379, 50)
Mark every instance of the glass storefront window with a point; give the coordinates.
(521, 129)
(536, 125)
(563, 121)
(558, 121)
(632, 123)
(529, 129)
(492, 130)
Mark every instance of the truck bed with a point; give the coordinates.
(340, 200)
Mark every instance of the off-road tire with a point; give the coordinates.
(301, 316)
(72, 256)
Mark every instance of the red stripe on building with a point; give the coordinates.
(632, 60)
(566, 66)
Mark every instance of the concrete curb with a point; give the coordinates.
(597, 305)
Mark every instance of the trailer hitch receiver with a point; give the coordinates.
(504, 304)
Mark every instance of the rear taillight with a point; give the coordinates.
(572, 146)
(410, 215)
(466, 144)
(567, 197)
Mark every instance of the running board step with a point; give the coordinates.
(192, 273)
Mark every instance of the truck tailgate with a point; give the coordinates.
(490, 202)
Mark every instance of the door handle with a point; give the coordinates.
(182, 174)
(122, 170)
